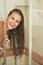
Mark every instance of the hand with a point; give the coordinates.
(7, 42)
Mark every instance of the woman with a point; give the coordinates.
(15, 31)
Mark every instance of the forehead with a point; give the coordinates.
(15, 14)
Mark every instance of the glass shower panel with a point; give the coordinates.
(2, 19)
(11, 60)
(1, 42)
(25, 12)
(6, 55)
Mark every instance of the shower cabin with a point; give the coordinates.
(5, 57)
(33, 25)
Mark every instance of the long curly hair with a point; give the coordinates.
(16, 36)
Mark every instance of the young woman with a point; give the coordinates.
(15, 31)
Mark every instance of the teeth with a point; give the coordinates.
(11, 24)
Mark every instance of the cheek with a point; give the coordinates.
(16, 24)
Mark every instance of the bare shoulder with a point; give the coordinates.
(1, 32)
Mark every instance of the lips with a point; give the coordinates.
(11, 24)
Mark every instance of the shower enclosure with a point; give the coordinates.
(33, 27)
(6, 58)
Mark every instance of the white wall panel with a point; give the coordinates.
(1, 9)
(37, 28)
(37, 17)
(10, 4)
(37, 4)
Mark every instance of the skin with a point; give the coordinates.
(13, 21)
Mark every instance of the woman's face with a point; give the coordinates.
(13, 20)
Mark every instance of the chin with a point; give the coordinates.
(11, 28)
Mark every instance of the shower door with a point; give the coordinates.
(6, 58)
(2, 42)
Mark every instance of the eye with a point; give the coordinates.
(17, 21)
(13, 18)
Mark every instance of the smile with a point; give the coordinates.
(11, 24)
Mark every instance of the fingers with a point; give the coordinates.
(7, 42)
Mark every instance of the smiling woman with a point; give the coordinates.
(15, 31)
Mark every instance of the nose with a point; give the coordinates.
(14, 23)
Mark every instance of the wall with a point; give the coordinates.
(1, 9)
(37, 28)
(8, 5)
